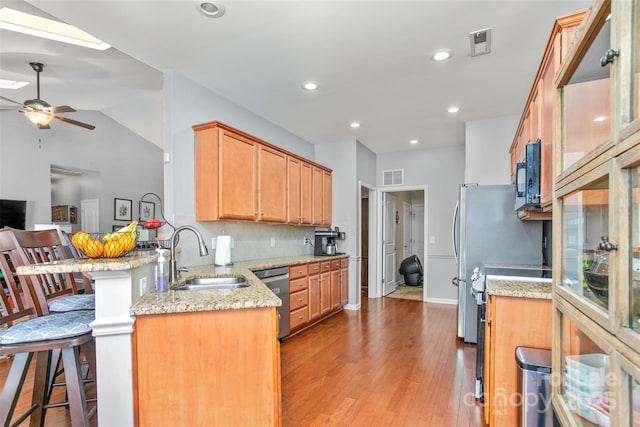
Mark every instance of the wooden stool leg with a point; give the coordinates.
(41, 390)
(13, 386)
(75, 386)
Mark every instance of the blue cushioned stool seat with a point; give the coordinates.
(72, 303)
(52, 327)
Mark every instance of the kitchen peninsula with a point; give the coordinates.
(154, 350)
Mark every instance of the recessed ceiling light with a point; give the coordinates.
(310, 85)
(354, 125)
(210, 8)
(441, 55)
(25, 23)
(600, 119)
(413, 141)
(11, 84)
(453, 109)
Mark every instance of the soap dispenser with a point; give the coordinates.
(162, 271)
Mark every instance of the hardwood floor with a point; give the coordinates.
(395, 362)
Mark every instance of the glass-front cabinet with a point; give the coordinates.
(596, 221)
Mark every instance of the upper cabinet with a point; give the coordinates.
(241, 178)
(596, 221)
(537, 121)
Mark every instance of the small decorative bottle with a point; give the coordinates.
(162, 271)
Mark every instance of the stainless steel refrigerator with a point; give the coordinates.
(487, 230)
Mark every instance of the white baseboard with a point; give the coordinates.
(353, 307)
(442, 301)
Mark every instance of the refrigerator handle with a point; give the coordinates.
(453, 231)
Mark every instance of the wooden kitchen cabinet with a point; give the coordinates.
(242, 178)
(325, 287)
(314, 291)
(511, 322)
(336, 284)
(344, 281)
(207, 368)
(537, 120)
(595, 199)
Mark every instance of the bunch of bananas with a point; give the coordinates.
(115, 244)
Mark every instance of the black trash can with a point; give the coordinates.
(534, 384)
(411, 269)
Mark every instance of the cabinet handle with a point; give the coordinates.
(608, 57)
(299, 299)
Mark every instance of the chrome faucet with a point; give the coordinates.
(174, 272)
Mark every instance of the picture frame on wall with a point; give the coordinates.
(147, 211)
(122, 209)
(73, 215)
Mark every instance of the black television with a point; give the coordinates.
(13, 213)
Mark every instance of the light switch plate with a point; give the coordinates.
(143, 286)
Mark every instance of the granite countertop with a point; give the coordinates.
(519, 287)
(256, 295)
(74, 265)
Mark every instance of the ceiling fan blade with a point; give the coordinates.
(11, 100)
(75, 122)
(61, 109)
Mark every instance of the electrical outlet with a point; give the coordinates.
(306, 241)
(143, 286)
(273, 242)
(213, 243)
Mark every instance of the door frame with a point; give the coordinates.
(375, 288)
(389, 243)
(373, 253)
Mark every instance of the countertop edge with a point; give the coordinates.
(519, 288)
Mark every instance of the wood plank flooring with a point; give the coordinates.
(395, 362)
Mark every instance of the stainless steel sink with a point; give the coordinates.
(209, 283)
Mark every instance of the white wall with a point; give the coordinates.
(487, 143)
(188, 104)
(127, 165)
(442, 171)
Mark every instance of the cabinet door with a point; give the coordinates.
(238, 181)
(318, 188)
(326, 198)
(325, 292)
(335, 289)
(547, 101)
(306, 193)
(294, 201)
(272, 185)
(344, 286)
(314, 296)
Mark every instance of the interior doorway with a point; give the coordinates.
(367, 254)
(408, 220)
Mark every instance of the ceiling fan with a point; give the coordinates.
(40, 112)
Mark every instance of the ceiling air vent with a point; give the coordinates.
(480, 42)
(393, 177)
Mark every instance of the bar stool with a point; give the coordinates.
(29, 333)
(59, 290)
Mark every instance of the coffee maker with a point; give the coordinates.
(325, 242)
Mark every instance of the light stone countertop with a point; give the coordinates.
(519, 287)
(256, 295)
(253, 296)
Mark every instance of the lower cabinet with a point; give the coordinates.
(316, 290)
(182, 378)
(510, 322)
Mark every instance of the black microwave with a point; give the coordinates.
(527, 178)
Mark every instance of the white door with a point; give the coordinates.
(389, 243)
(90, 215)
(406, 230)
(417, 234)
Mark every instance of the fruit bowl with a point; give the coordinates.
(105, 245)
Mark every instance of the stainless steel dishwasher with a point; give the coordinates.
(277, 279)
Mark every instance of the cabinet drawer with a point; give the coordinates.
(344, 262)
(335, 265)
(296, 271)
(325, 266)
(298, 299)
(314, 268)
(299, 317)
(298, 284)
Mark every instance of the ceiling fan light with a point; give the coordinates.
(38, 117)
